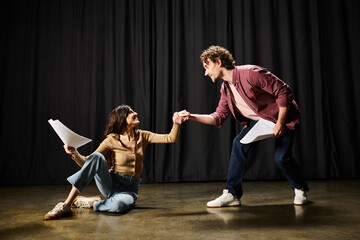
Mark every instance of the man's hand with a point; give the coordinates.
(184, 114)
(180, 117)
(279, 130)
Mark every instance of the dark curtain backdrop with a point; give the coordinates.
(77, 60)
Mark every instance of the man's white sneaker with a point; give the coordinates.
(300, 197)
(225, 200)
(60, 210)
(85, 202)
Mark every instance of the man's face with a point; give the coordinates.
(212, 69)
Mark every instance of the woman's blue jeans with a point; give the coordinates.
(121, 190)
(283, 159)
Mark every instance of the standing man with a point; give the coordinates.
(249, 93)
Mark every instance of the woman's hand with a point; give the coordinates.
(71, 151)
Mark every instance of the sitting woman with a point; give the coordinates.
(123, 149)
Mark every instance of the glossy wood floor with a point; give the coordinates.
(178, 211)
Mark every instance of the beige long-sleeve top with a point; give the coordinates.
(126, 160)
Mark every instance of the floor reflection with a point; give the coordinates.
(179, 211)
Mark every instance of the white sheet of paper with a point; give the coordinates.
(261, 130)
(67, 136)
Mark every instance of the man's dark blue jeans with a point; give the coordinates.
(283, 158)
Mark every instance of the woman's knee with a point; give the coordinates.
(96, 158)
(120, 206)
(97, 155)
(123, 203)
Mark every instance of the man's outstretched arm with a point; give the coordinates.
(202, 118)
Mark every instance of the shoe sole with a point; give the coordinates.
(54, 217)
(234, 205)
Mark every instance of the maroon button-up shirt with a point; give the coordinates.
(262, 91)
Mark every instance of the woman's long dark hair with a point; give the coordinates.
(117, 120)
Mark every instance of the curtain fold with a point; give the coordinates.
(77, 60)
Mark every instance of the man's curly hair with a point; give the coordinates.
(216, 52)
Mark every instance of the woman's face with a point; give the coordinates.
(132, 119)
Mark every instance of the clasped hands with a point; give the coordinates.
(180, 117)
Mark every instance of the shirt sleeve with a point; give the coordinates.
(273, 85)
(172, 137)
(222, 111)
(103, 148)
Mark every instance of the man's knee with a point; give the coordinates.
(237, 146)
(237, 139)
(236, 142)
